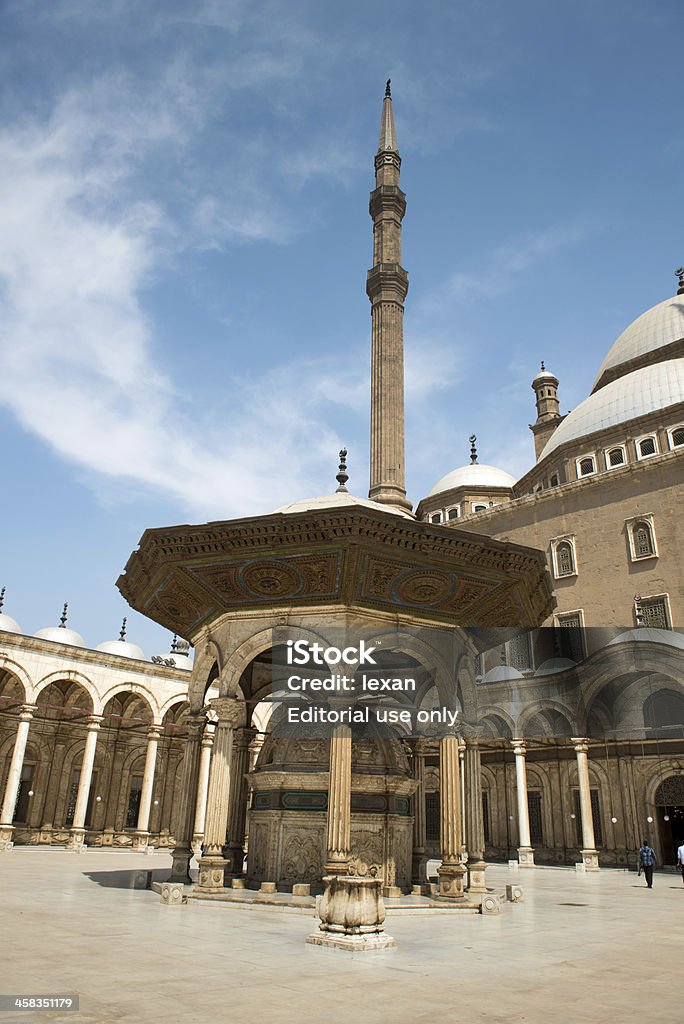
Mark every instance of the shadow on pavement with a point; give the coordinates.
(128, 879)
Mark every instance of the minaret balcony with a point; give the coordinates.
(387, 282)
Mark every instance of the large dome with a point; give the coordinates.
(639, 393)
(655, 330)
(339, 499)
(474, 475)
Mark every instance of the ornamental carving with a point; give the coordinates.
(302, 855)
(670, 792)
(270, 579)
(427, 588)
(367, 858)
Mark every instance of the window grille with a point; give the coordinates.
(134, 801)
(518, 652)
(485, 818)
(643, 542)
(616, 457)
(565, 563)
(453, 513)
(73, 794)
(586, 467)
(534, 807)
(432, 817)
(595, 815)
(570, 636)
(647, 446)
(436, 517)
(678, 437)
(654, 612)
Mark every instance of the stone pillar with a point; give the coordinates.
(451, 870)
(589, 853)
(185, 815)
(9, 802)
(338, 831)
(142, 833)
(525, 851)
(473, 818)
(419, 862)
(237, 805)
(212, 863)
(203, 783)
(85, 778)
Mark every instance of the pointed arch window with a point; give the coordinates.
(642, 538)
(564, 557)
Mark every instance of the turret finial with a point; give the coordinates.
(174, 643)
(342, 476)
(680, 280)
(542, 365)
(122, 633)
(473, 449)
(63, 617)
(388, 91)
(2, 597)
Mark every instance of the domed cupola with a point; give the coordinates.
(62, 634)
(122, 647)
(467, 489)
(7, 623)
(177, 657)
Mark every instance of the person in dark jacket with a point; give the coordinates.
(647, 859)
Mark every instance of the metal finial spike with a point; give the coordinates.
(63, 617)
(342, 476)
(2, 597)
(473, 449)
(680, 280)
(174, 642)
(542, 365)
(122, 634)
(388, 91)
(503, 655)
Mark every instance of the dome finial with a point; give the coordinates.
(2, 597)
(680, 280)
(174, 643)
(473, 449)
(122, 633)
(342, 476)
(542, 365)
(63, 617)
(388, 91)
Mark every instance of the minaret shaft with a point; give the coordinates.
(386, 286)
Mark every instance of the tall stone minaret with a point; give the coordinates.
(386, 286)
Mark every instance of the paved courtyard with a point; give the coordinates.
(590, 948)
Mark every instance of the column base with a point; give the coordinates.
(76, 840)
(211, 874)
(339, 868)
(525, 856)
(180, 864)
(590, 860)
(352, 915)
(476, 876)
(6, 842)
(419, 868)
(451, 881)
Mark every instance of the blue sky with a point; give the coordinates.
(184, 238)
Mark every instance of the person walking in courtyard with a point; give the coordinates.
(680, 859)
(647, 859)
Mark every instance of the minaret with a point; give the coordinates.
(545, 387)
(386, 286)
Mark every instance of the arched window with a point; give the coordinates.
(453, 513)
(664, 713)
(436, 517)
(586, 466)
(647, 446)
(479, 508)
(616, 457)
(677, 437)
(643, 542)
(565, 559)
(553, 482)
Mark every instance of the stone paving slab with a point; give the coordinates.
(592, 948)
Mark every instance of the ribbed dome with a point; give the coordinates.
(553, 665)
(8, 624)
(639, 393)
(123, 648)
(475, 475)
(339, 499)
(650, 635)
(500, 673)
(655, 329)
(61, 635)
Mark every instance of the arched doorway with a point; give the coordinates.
(669, 801)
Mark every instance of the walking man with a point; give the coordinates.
(647, 859)
(680, 859)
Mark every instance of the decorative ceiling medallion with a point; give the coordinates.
(424, 588)
(270, 579)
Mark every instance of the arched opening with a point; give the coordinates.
(669, 801)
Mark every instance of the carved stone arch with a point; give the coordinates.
(146, 695)
(659, 775)
(244, 654)
(20, 674)
(208, 660)
(170, 702)
(489, 711)
(537, 709)
(69, 676)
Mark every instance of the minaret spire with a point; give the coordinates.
(386, 286)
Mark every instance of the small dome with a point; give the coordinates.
(500, 673)
(657, 328)
(552, 665)
(647, 390)
(475, 475)
(654, 636)
(545, 377)
(340, 499)
(8, 624)
(124, 649)
(61, 635)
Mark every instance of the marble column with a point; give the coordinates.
(473, 818)
(9, 802)
(338, 830)
(451, 870)
(212, 863)
(237, 804)
(525, 851)
(85, 778)
(589, 852)
(419, 861)
(142, 833)
(185, 814)
(203, 783)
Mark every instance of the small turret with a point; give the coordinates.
(545, 387)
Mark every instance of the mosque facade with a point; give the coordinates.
(544, 610)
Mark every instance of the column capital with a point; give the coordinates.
(230, 711)
(519, 748)
(154, 732)
(580, 744)
(27, 712)
(94, 722)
